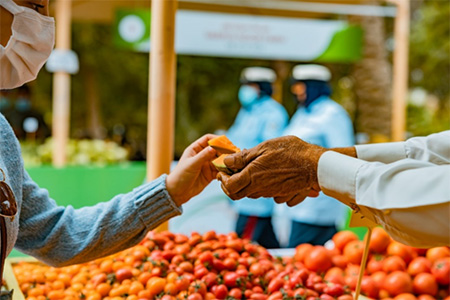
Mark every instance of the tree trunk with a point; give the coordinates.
(94, 122)
(372, 77)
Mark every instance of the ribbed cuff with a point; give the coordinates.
(337, 176)
(383, 152)
(153, 203)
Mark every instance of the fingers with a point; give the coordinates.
(234, 186)
(297, 199)
(239, 161)
(200, 144)
(205, 155)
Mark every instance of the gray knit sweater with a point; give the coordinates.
(60, 235)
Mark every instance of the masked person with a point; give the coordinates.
(63, 235)
(320, 121)
(260, 118)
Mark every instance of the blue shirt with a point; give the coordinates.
(263, 120)
(327, 124)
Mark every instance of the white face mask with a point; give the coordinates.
(30, 45)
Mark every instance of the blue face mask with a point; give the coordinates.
(23, 104)
(247, 95)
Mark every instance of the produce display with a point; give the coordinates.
(170, 266)
(79, 153)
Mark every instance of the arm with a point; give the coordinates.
(63, 235)
(393, 195)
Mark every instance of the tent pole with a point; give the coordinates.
(400, 70)
(61, 86)
(161, 101)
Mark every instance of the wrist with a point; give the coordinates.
(349, 151)
(172, 190)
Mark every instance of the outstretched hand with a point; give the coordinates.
(193, 172)
(284, 168)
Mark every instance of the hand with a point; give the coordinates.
(193, 172)
(284, 168)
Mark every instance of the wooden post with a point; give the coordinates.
(61, 85)
(161, 101)
(400, 70)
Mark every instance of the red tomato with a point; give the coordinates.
(419, 265)
(275, 285)
(220, 291)
(369, 287)
(441, 270)
(318, 259)
(122, 274)
(256, 269)
(340, 261)
(195, 296)
(335, 275)
(230, 279)
(275, 296)
(425, 297)
(206, 257)
(407, 253)
(258, 296)
(394, 263)
(425, 283)
(405, 296)
(375, 264)
(378, 278)
(210, 279)
(334, 290)
(398, 282)
(230, 263)
(326, 297)
(235, 293)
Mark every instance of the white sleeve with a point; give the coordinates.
(434, 148)
(409, 198)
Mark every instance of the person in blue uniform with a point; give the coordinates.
(321, 121)
(260, 118)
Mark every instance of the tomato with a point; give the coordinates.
(155, 285)
(195, 296)
(342, 238)
(394, 263)
(218, 264)
(326, 297)
(210, 279)
(258, 296)
(230, 279)
(335, 275)
(375, 263)
(235, 293)
(275, 285)
(425, 297)
(398, 282)
(275, 296)
(235, 244)
(435, 253)
(230, 263)
(405, 252)
(345, 297)
(197, 286)
(220, 291)
(206, 257)
(256, 269)
(301, 251)
(441, 270)
(339, 261)
(354, 252)
(425, 283)
(405, 296)
(378, 278)
(318, 259)
(122, 274)
(419, 265)
(369, 287)
(334, 290)
(379, 240)
(210, 235)
(97, 279)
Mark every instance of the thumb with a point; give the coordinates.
(203, 156)
(240, 160)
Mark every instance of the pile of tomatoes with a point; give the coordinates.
(169, 266)
(208, 266)
(393, 271)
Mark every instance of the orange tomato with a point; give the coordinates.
(419, 265)
(318, 259)
(301, 251)
(434, 254)
(405, 296)
(393, 263)
(354, 251)
(342, 238)
(379, 240)
(398, 282)
(103, 289)
(405, 252)
(425, 297)
(155, 285)
(425, 283)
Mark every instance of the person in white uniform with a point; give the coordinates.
(321, 121)
(403, 186)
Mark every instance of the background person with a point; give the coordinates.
(402, 186)
(260, 118)
(320, 121)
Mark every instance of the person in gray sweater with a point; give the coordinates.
(60, 235)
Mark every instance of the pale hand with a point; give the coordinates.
(193, 172)
(284, 168)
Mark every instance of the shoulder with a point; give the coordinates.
(330, 107)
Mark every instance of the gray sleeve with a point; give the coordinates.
(60, 235)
